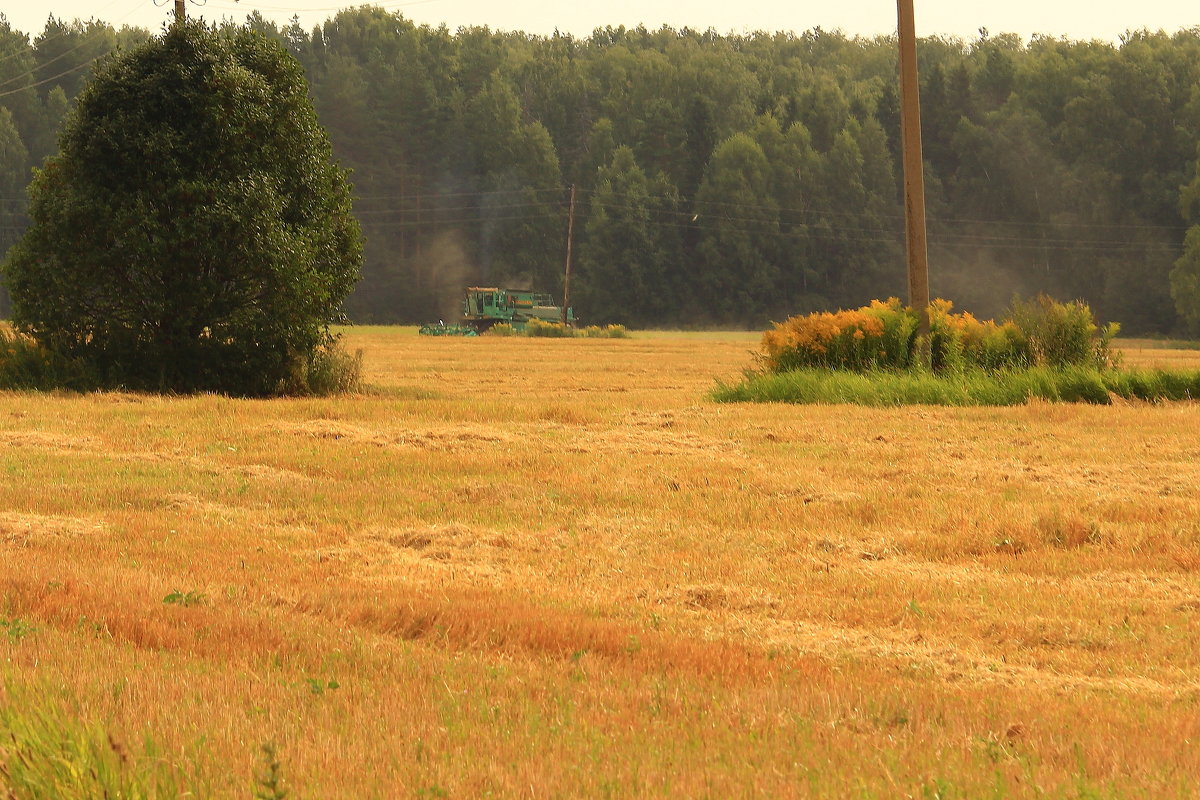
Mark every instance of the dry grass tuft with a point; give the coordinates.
(43, 440)
(648, 442)
(25, 530)
(475, 620)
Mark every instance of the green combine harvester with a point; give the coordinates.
(485, 307)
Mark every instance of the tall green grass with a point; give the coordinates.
(330, 370)
(1044, 349)
(26, 365)
(968, 388)
(48, 752)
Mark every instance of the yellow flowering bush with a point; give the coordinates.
(536, 328)
(960, 340)
(870, 337)
(882, 335)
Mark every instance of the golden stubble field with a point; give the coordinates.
(544, 568)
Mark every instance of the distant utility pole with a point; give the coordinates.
(914, 172)
(567, 275)
(180, 12)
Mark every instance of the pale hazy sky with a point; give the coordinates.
(1105, 19)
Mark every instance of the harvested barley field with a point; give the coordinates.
(552, 568)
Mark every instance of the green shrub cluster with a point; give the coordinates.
(330, 369)
(27, 365)
(883, 335)
(1058, 334)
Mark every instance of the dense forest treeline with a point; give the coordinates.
(721, 179)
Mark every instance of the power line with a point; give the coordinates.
(87, 63)
(36, 43)
(460, 221)
(42, 66)
(284, 9)
(831, 213)
(478, 193)
(804, 232)
(1096, 225)
(785, 210)
(33, 72)
(481, 214)
(807, 229)
(433, 210)
(837, 235)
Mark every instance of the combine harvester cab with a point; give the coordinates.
(484, 307)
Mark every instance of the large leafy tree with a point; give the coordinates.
(193, 232)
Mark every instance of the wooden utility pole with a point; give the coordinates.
(567, 275)
(914, 173)
(180, 12)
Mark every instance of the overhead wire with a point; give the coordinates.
(45, 64)
(949, 236)
(36, 43)
(297, 10)
(33, 72)
(439, 209)
(822, 213)
(76, 68)
(434, 216)
(932, 218)
(460, 221)
(478, 193)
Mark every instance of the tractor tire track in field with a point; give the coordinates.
(655, 438)
(87, 447)
(440, 559)
(449, 438)
(950, 661)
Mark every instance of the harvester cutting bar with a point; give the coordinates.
(437, 329)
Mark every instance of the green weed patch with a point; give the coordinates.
(24, 364)
(46, 751)
(971, 388)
